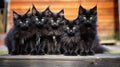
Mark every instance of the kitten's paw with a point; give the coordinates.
(57, 52)
(24, 52)
(91, 53)
(14, 52)
(33, 52)
(49, 52)
(67, 54)
(83, 53)
(41, 52)
(74, 54)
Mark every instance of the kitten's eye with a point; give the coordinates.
(52, 20)
(74, 27)
(42, 19)
(20, 22)
(58, 20)
(84, 18)
(36, 19)
(68, 28)
(91, 18)
(27, 21)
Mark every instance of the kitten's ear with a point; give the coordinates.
(94, 10)
(47, 11)
(15, 15)
(28, 13)
(65, 21)
(81, 10)
(76, 21)
(48, 8)
(61, 13)
(34, 10)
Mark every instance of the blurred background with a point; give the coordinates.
(108, 17)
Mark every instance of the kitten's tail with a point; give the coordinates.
(100, 49)
(8, 44)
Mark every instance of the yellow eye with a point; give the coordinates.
(36, 19)
(58, 20)
(42, 19)
(52, 20)
(74, 27)
(27, 21)
(67, 27)
(20, 22)
(91, 18)
(84, 18)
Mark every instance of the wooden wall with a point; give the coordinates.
(106, 10)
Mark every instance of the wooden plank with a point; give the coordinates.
(67, 0)
(85, 4)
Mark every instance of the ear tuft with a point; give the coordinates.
(48, 8)
(94, 10)
(28, 13)
(47, 11)
(34, 10)
(61, 13)
(81, 9)
(15, 15)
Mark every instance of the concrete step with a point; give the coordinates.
(99, 60)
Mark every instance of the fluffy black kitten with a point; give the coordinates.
(17, 38)
(39, 29)
(70, 40)
(55, 29)
(88, 30)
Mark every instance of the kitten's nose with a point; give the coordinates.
(55, 25)
(88, 21)
(71, 31)
(39, 23)
(24, 27)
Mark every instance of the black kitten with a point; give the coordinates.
(88, 29)
(17, 38)
(70, 39)
(55, 31)
(39, 30)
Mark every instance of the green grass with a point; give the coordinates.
(3, 52)
(110, 37)
(113, 52)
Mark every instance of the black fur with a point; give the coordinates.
(39, 29)
(18, 37)
(55, 31)
(88, 30)
(37, 33)
(70, 40)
